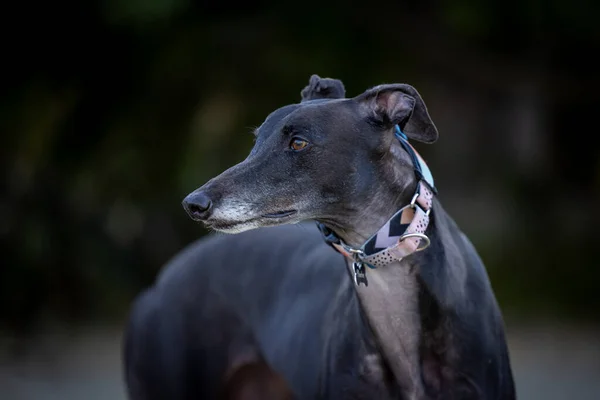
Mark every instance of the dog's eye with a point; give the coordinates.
(298, 144)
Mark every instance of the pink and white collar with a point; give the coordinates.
(403, 234)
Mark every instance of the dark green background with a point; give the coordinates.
(113, 111)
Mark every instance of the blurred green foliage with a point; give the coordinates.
(112, 111)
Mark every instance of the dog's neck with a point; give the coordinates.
(390, 304)
(393, 190)
(390, 301)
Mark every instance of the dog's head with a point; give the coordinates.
(327, 158)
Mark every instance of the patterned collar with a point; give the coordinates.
(402, 235)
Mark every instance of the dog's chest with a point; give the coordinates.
(370, 379)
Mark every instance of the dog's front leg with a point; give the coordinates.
(391, 306)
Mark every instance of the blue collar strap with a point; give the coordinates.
(421, 169)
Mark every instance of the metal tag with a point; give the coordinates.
(360, 275)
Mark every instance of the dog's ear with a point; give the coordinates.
(399, 104)
(323, 88)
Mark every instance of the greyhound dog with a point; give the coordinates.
(403, 309)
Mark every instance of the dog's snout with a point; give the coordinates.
(198, 206)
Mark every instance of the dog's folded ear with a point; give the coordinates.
(399, 104)
(323, 88)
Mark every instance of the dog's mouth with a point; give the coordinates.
(269, 219)
(280, 214)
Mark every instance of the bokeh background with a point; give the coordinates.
(112, 111)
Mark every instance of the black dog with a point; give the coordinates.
(272, 313)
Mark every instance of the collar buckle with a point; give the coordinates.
(413, 201)
(358, 253)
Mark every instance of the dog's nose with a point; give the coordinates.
(198, 205)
